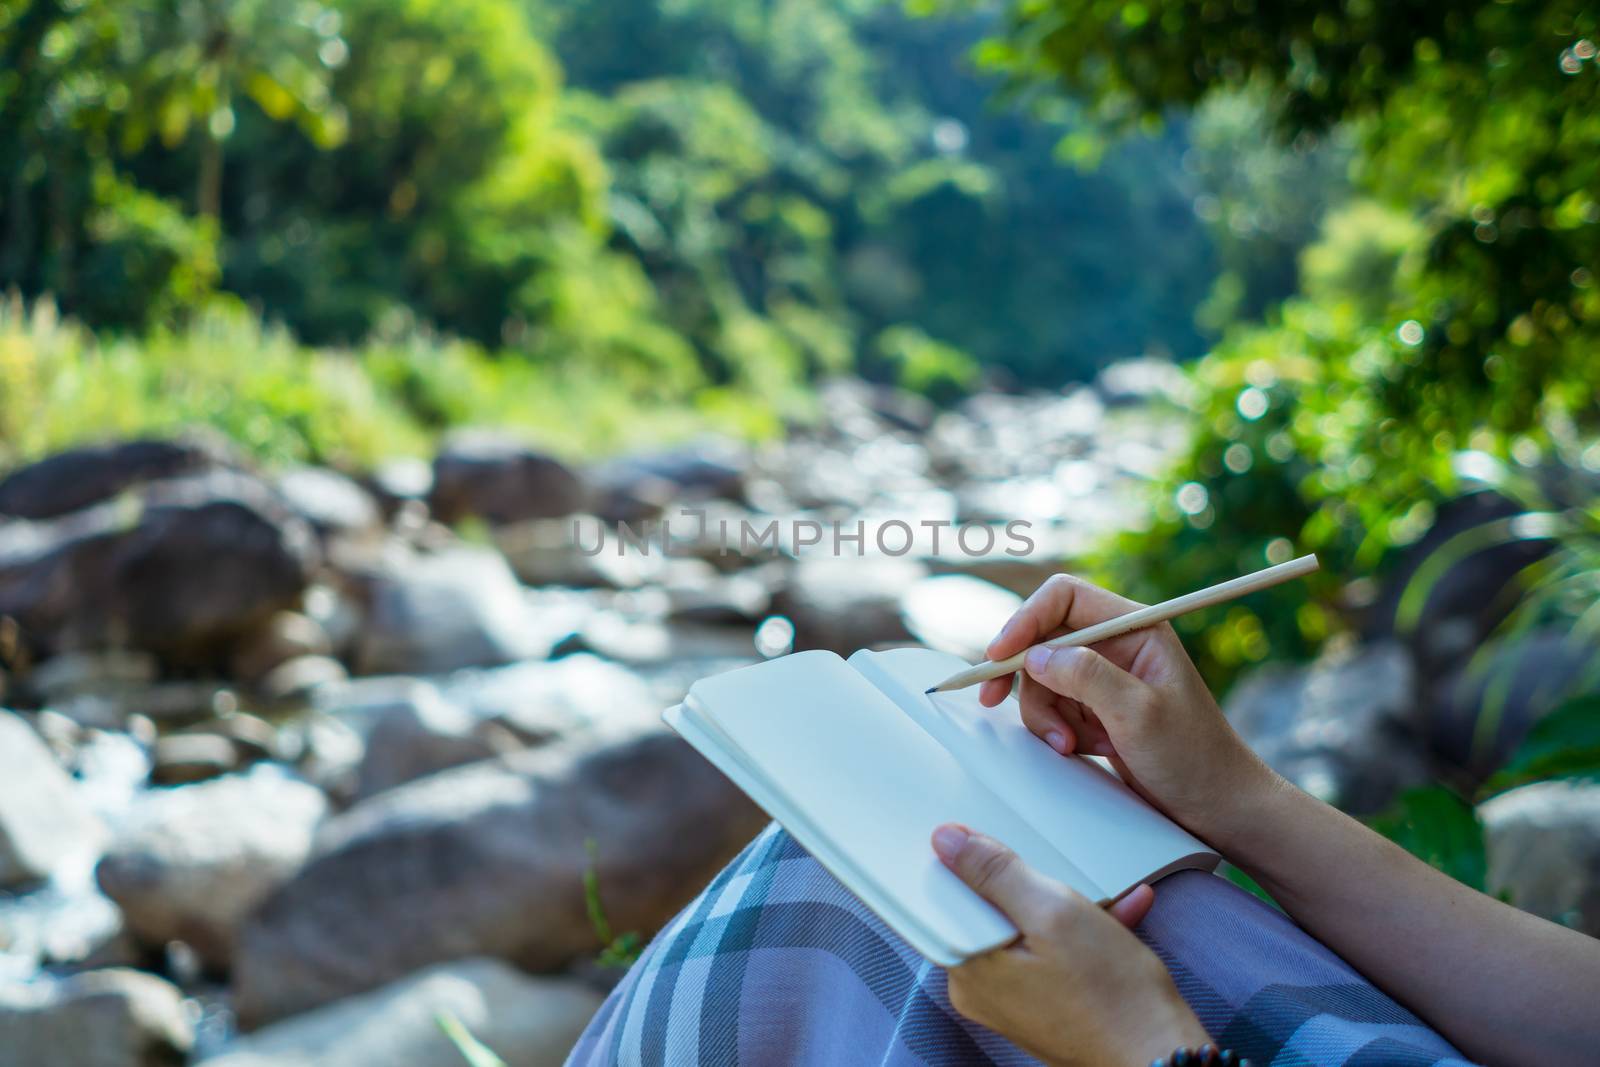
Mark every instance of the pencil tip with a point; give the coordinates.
(930, 689)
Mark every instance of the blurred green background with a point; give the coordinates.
(1368, 232)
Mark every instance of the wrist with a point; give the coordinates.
(1237, 823)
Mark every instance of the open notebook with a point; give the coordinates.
(860, 765)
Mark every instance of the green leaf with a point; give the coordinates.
(475, 1052)
(1440, 828)
(1563, 744)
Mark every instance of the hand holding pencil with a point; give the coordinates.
(1135, 698)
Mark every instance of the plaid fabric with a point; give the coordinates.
(776, 963)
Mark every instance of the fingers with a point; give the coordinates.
(1088, 677)
(1134, 906)
(995, 690)
(994, 872)
(1062, 602)
(1045, 720)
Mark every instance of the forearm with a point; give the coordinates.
(1505, 986)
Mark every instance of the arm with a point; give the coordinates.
(1503, 985)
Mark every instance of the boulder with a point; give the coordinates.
(544, 701)
(193, 861)
(500, 480)
(72, 480)
(631, 488)
(1478, 713)
(490, 859)
(283, 636)
(43, 820)
(298, 680)
(1459, 604)
(434, 613)
(330, 502)
(423, 733)
(179, 759)
(525, 1020)
(183, 571)
(107, 1018)
(1342, 728)
(957, 613)
(1542, 843)
(844, 604)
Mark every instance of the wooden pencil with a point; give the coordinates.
(1220, 593)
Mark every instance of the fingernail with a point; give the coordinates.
(1056, 740)
(1038, 659)
(949, 840)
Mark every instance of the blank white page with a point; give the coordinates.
(1101, 825)
(862, 787)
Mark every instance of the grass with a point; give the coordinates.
(284, 403)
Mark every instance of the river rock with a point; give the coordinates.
(332, 503)
(283, 636)
(500, 480)
(422, 733)
(489, 859)
(632, 488)
(179, 759)
(72, 480)
(194, 860)
(43, 821)
(438, 612)
(1479, 712)
(1342, 728)
(543, 701)
(957, 613)
(184, 571)
(300, 679)
(845, 604)
(107, 1018)
(1542, 842)
(525, 1020)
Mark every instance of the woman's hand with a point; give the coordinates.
(1077, 987)
(1136, 699)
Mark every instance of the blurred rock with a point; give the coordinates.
(1461, 604)
(300, 679)
(547, 552)
(401, 483)
(1479, 712)
(330, 502)
(1342, 728)
(183, 758)
(194, 860)
(490, 859)
(42, 819)
(283, 636)
(430, 614)
(253, 738)
(641, 486)
(540, 702)
(957, 613)
(183, 572)
(72, 480)
(1543, 848)
(423, 733)
(500, 480)
(106, 1018)
(844, 604)
(526, 1021)
(64, 678)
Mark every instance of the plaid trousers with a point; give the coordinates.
(777, 963)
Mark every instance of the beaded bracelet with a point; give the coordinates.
(1204, 1056)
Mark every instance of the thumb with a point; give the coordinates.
(1086, 676)
(997, 875)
